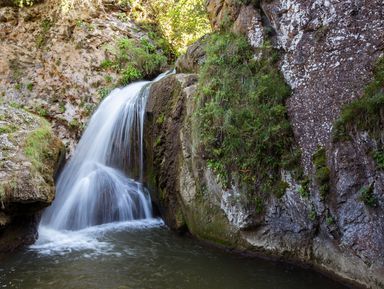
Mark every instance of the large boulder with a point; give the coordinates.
(29, 155)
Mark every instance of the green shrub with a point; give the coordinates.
(104, 92)
(312, 215)
(378, 156)
(134, 60)
(304, 188)
(243, 123)
(322, 174)
(30, 86)
(129, 74)
(329, 220)
(367, 196)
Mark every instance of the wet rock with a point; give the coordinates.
(327, 49)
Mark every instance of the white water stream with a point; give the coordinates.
(102, 182)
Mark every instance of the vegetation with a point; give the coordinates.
(45, 26)
(322, 175)
(304, 188)
(182, 22)
(378, 156)
(5, 129)
(312, 215)
(172, 24)
(367, 196)
(38, 147)
(22, 3)
(245, 132)
(329, 220)
(134, 60)
(365, 113)
(178, 22)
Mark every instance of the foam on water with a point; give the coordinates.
(90, 242)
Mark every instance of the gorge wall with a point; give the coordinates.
(59, 66)
(58, 61)
(335, 219)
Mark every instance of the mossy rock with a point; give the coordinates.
(29, 156)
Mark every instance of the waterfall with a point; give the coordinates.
(102, 182)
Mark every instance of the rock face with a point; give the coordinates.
(188, 195)
(51, 55)
(29, 154)
(328, 49)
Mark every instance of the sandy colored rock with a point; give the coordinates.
(29, 155)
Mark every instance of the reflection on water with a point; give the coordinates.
(144, 255)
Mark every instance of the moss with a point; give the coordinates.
(15, 104)
(41, 38)
(160, 119)
(259, 204)
(243, 123)
(30, 86)
(304, 188)
(18, 86)
(42, 149)
(208, 222)
(158, 141)
(6, 129)
(281, 189)
(365, 113)
(322, 174)
(367, 196)
(329, 220)
(42, 111)
(104, 92)
(312, 215)
(108, 79)
(107, 64)
(378, 156)
(74, 124)
(62, 108)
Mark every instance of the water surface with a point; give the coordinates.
(144, 255)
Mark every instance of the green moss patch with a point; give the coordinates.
(367, 196)
(322, 174)
(242, 117)
(365, 113)
(42, 149)
(208, 222)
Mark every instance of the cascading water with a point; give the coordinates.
(98, 233)
(97, 186)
